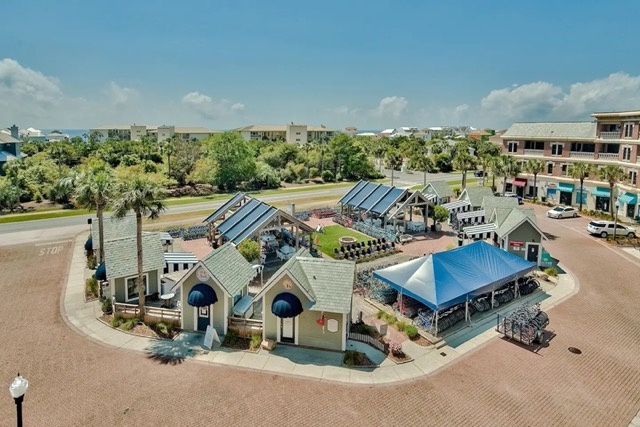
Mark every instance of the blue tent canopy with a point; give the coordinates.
(202, 295)
(286, 305)
(448, 278)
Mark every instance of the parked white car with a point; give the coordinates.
(605, 228)
(563, 212)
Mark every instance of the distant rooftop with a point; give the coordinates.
(552, 130)
(633, 113)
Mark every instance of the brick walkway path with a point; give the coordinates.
(74, 381)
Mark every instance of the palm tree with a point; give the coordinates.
(464, 161)
(394, 158)
(95, 188)
(486, 151)
(378, 149)
(168, 147)
(535, 166)
(611, 174)
(142, 196)
(421, 162)
(580, 170)
(508, 167)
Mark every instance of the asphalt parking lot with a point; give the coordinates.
(75, 381)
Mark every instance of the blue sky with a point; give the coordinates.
(370, 64)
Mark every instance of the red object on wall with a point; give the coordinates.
(320, 321)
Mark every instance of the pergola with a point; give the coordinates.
(223, 212)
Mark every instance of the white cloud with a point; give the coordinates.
(207, 108)
(393, 106)
(522, 101)
(119, 95)
(25, 92)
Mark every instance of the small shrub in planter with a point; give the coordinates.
(396, 349)
(256, 340)
(400, 325)
(91, 286)
(107, 308)
(411, 331)
(164, 328)
(551, 272)
(457, 191)
(117, 320)
(91, 262)
(129, 324)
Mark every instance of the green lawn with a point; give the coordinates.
(328, 241)
(43, 215)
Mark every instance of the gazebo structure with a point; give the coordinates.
(223, 212)
(278, 232)
(381, 205)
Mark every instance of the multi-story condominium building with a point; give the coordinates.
(162, 133)
(612, 139)
(291, 133)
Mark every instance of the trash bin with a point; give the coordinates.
(543, 199)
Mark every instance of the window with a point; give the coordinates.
(297, 133)
(633, 177)
(534, 145)
(628, 130)
(626, 153)
(549, 168)
(583, 196)
(583, 147)
(132, 289)
(512, 146)
(556, 149)
(564, 168)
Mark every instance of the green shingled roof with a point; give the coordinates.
(121, 259)
(475, 195)
(514, 219)
(329, 282)
(229, 268)
(113, 228)
(439, 188)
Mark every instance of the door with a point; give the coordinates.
(631, 211)
(203, 318)
(533, 249)
(287, 330)
(565, 198)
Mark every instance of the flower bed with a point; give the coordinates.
(357, 360)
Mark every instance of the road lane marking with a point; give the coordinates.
(53, 243)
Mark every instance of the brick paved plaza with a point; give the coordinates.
(77, 382)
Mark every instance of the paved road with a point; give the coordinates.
(76, 382)
(35, 230)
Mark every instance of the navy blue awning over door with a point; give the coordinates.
(202, 295)
(88, 245)
(286, 305)
(101, 272)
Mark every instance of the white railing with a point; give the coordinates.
(367, 339)
(581, 155)
(157, 312)
(610, 135)
(608, 156)
(533, 152)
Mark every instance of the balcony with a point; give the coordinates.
(581, 155)
(608, 156)
(534, 153)
(610, 135)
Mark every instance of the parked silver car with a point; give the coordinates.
(563, 212)
(605, 228)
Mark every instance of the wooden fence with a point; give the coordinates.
(245, 327)
(156, 313)
(375, 343)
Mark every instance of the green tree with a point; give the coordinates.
(144, 197)
(443, 162)
(95, 189)
(233, 159)
(9, 195)
(534, 167)
(249, 249)
(464, 161)
(440, 214)
(394, 160)
(421, 162)
(168, 148)
(185, 156)
(580, 171)
(611, 174)
(508, 167)
(485, 152)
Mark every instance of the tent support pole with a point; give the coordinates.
(466, 310)
(493, 293)
(436, 315)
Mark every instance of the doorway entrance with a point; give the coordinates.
(533, 252)
(203, 318)
(566, 198)
(287, 330)
(631, 211)
(602, 203)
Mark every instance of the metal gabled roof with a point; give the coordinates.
(246, 220)
(225, 207)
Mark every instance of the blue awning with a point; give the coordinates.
(88, 245)
(286, 305)
(101, 272)
(565, 187)
(629, 198)
(601, 192)
(202, 295)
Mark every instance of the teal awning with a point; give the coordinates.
(601, 192)
(101, 272)
(629, 198)
(566, 188)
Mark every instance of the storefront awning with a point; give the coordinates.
(101, 272)
(629, 199)
(286, 305)
(88, 245)
(519, 182)
(601, 192)
(565, 187)
(202, 295)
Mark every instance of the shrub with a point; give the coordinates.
(256, 340)
(411, 331)
(117, 320)
(129, 324)
(107, 308)
(363, 328)
(339, 177)
(327, 176)
(440, 214)
(457, 191)
(386, 317)
(249, 249)
(164, 328)
(313, 172)
(551, 272)
(91, 261)
(400, 325)
(91, 286)
(396, 349)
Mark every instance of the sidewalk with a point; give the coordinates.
(288, 360)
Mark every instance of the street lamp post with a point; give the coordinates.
(615, 227)
(17, 389)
